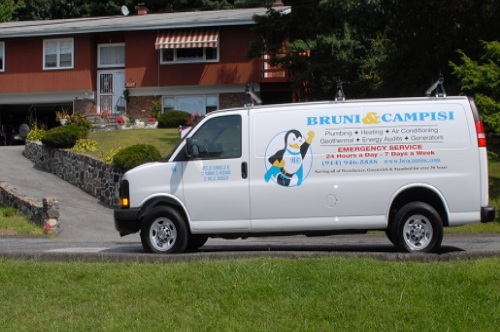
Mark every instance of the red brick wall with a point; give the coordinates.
(136, 105)
(230, 100)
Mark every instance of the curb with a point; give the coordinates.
(104, 257)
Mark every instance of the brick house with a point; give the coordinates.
(191, 61)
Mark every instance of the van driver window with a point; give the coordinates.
(219, 138)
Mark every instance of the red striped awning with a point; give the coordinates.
(187, 38)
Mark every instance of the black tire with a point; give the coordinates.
(417, 227)
(164, 231)
(196, 241)
(388, 233)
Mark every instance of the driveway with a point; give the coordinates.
(83, 218)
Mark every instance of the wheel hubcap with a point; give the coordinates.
(163, 234)
(418, 232)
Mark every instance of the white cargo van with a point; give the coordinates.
(408, 167)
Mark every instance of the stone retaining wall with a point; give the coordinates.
(25, 205)
(89, 174)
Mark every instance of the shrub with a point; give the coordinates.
(85, 145)
(36, 134)
(64, 136)
(136, 155)
(173, 119)
(77, 119)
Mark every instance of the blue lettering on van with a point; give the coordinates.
(216, 173)
(373, 118)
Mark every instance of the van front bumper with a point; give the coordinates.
(487, 214)
(127, 221)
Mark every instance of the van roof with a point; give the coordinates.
(351, 101)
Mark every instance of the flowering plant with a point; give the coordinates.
(62, 114)
(193, 119)
(151, 120)
(103, 115)
(120, 120)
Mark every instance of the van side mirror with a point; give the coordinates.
(189, 147)
(192, 150)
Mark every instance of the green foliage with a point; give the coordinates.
(173, 119)
(85, 145)
(9, 212)
(136, 155)
(377, 48)
(339, 46)
(156, 108)
(7, 8)
(109, 156)
(64, 136)
(482, 80)
(36, 134)
(77, 119)
(60, 9)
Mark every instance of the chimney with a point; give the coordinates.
(141, 9)
(278, 3)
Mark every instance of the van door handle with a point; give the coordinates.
(244, 170)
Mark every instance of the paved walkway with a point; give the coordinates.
(82, 217)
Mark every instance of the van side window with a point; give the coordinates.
(219, 138)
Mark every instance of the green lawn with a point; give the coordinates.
(163, 139)
(13, 224)
(266, 294)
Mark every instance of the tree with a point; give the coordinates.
(482, 80)
(424, 37)
(7, 9)
(378, 48)
(63, 9)
(322, 42)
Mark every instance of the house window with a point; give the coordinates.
(58, 53)
(2, 56)
(111, 55)
(189, 55)
(201, 104)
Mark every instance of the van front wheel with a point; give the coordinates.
(417, 227)
(163, 231)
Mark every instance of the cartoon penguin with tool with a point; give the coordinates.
(292, 156)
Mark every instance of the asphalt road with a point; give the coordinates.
(88, 232)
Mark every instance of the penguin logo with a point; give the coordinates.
(290, 165)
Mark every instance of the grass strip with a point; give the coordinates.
(265, 294)
(13, 224)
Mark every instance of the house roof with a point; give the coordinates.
(132, 23)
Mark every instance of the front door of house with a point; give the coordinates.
(110, 87)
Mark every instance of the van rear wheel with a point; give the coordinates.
(417, 227)
(163, 231)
